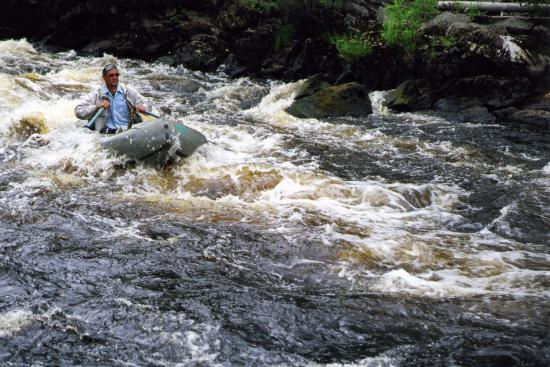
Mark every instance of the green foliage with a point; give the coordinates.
(284, 36)
(447, 41)
(351, 47)
(471, 11)
(401, 27)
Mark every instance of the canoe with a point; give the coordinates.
(157, 142)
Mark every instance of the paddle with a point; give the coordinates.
(91, 124)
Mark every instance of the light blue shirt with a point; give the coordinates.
(118, 114)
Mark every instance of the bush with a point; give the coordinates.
(351, 47)
(401, 27)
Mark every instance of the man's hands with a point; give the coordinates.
(104, 103)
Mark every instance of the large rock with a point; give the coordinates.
(441, 23)
(493, 92)
(28, 125)
(349, 99)
(532, 119)
(202, 52)
(411, 95)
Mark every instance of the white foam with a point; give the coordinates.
(16, 48)
(516, 53)
(13, 322)
(402, 227)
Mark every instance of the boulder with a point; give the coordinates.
(312, 86)
(539, 103)
(454, 104)
(29, 125)
(441, 23)
(202, 52)
(493, 92)
(411, 95)
(532, 119)
(349, 99)
(477, 115)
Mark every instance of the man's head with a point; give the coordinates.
(110, 75)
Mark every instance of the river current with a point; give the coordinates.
(391, 240)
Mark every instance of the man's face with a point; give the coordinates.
(111, 78)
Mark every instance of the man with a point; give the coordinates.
(119, 102)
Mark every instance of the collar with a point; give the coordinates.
(119, 89)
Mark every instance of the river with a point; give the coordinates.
(391, 240)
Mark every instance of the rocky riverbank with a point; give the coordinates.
(480, 68)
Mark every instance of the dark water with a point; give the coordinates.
(394, 240)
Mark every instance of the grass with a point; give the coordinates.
(401, 27)
(351, 47)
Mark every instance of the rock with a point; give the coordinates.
(349, 99)
(516, 26)
(534, 119)
(450, 104)
(411, 95)
(202, 52)
(29, 125)
(97, 48)
(232, 67)
(441, 23)
(503, 114)
(493, 92)
(359, 9)
(478, 115)
(312, 86)
(540, 103)
(251, 47)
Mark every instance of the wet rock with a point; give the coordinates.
(450, 104)
(493, 92)
(251, 47)
(478, 115)
(540, 103)
(29, 125)
(533, 119)
(411, 95)
(505, 113)
(349, 99)
(202, 52)
(95, 48)
(312, 86)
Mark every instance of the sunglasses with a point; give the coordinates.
(113, 75)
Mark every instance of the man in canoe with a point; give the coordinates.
(117, 104)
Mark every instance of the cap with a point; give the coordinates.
(109, 67)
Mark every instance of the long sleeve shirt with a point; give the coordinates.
(117, 115)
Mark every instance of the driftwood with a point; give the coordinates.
(491, 6)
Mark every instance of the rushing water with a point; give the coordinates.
(391, 240)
